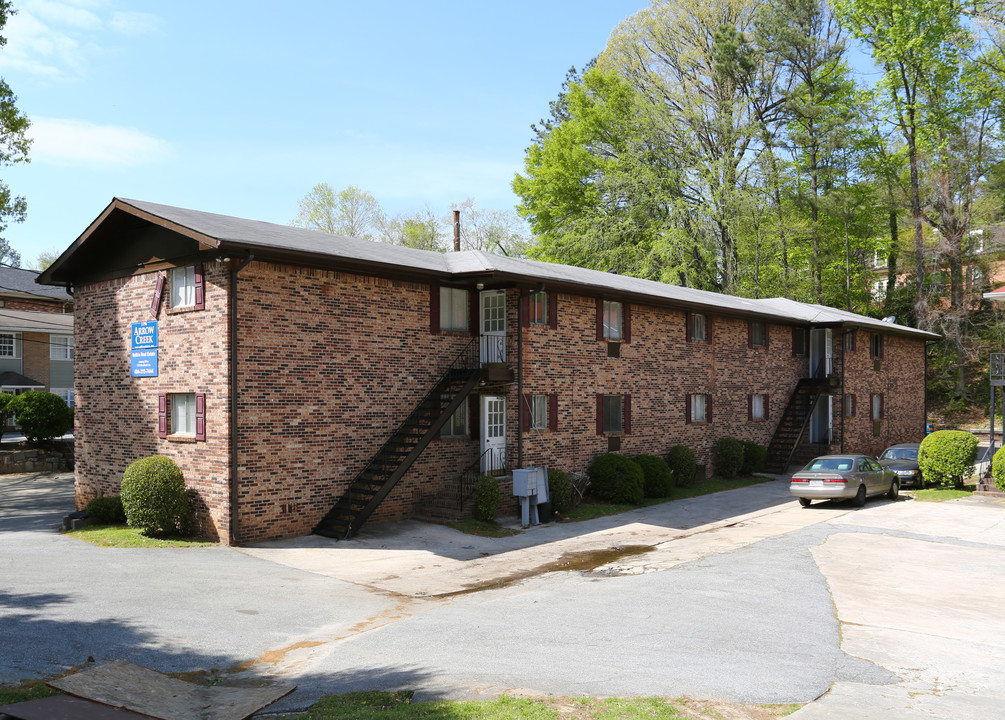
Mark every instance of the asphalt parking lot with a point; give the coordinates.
(889, 611)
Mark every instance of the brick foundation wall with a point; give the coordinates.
(116, 415)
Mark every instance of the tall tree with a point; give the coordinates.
(14, 145)
(350, 211)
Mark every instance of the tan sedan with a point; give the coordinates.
(843, 477)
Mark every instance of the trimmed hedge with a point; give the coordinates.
(617, 479)
(727, 454)
(41, 415)
(998, 468)
(106, 510)
(487, 497)
(657, 480)
(154, 497)
(754, 458)
(947, 457)
(683, 465)
(560, 490)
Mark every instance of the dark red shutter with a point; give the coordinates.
(600, 319)
(525, 412)
(854, 409)
(687, 409)
(881, 409)
(766, 415)
(687, 327)
(750, 407)
(474, 419)
(434, 308)
(525, 303)
(553, 310)
(200, 288)
(162, 415)
(795, 339)
(474, 326)
(200, 416)
(600, 414)
(626, 320)
(881, 346)
(750, 333)
(553, 412)
(708, 329)
(767, 334)
(155, 304)
(708, 408)
(627, 400)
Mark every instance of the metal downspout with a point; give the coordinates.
(519, 379)
(232, 322)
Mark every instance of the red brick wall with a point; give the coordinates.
(12, 303)
(36, 357)
(116, 415)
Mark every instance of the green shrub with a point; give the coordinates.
(754, 458)
(154, 498)
(560, 492)
(617, 479)
(657, 480)
(727, 454)
(41, 415)
(487, 498)
(106, 510)
(5, 414)
(683, 465)
(946, 457)
(998, 468)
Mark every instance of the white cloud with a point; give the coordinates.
(134, 23)
(73, 142)
(34, 47)
(61, 13)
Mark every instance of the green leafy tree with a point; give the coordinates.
(14, 145)
(41, 415)
(350, 211)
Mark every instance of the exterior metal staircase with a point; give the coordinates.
(383, 471)
(792, 426)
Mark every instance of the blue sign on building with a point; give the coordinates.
(143, 363)
(145, 335)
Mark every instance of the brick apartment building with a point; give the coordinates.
(36, 335)
(303, 380)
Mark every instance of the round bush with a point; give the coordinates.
(154, 498)
(657, 480)
(754, 458)
(683, 465)
(487, 498)
(998, 468)
(947, 457)
(41, 415)
(727, 454)
(617, 479)
(106, 510)
(560, 490)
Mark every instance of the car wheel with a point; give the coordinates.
(894, 490)
(860, 496)
(805, 502)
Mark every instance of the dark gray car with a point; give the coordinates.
(903, 460)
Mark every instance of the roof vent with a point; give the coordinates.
(890, 319)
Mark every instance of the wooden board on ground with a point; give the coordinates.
(138, 689)
(66, 707)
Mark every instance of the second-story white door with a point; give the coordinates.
(493, 326)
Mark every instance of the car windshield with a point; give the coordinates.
(830, 464)
(900, 454)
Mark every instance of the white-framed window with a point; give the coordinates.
(453, 309)
(9, 345)
(61, 347)
(699, 327)
(183, 287)
(183, 414)
(614, 413)
(698, 408)
(613, 320)
(457, 425)
(757, 333)
(877, 406)
(538, 412)
(757, 407)
(65, 393)
(538, 308)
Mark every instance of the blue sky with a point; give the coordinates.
(241, 107)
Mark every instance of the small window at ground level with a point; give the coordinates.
(183, 287)
(698, 407)
(538, 412)
(877, 406)
(183, 414)
(457, 425)
(538, 308)
(758, 407)
(453, 309)
(614, 415)
(61, 347)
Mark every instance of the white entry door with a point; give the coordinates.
(821, 352)
(493, 432)
(493, 326)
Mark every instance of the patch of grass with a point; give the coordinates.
(942, 494)
(471, 526)
(27, 690)
(123, 536)
(589, 511)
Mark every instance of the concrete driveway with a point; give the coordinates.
(740, 596)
